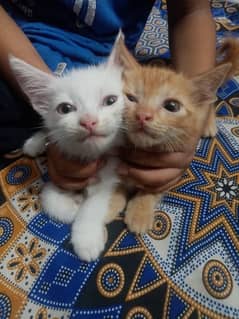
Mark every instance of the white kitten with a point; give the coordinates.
(82, 113)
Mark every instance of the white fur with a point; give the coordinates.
(85, 89)
(88, 228)
(59, 204)
(35, 145)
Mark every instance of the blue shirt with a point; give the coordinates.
(78, 32)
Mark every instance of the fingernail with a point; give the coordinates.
(122, 170)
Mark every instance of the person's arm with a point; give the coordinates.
(13, 41)
(192, 35)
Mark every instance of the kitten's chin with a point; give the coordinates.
(89, 149)
(96, 143)
(90, 138)
(94, 147)
(142, 140)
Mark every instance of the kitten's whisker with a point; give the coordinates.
(123, 129)
(123, 126)
(38, 127)
(53, 137)
(174, 143)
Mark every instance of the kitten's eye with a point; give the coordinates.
(172, 105)
(132, 98)
(65, 108)
(109, 100)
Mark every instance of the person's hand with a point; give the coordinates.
(68, 173)
(154, 171)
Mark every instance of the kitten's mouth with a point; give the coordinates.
(91, 136)
(142, 130)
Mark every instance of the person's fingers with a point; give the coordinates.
(161, 189)
(70, 167)
(61, 162)
(82, 171)
(158, 160)
(67, 183)
(149, 177)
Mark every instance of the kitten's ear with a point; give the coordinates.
(33, 82)
(120, 55)
(207, 84)
(114, 58)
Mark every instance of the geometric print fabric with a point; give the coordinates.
(187, 266)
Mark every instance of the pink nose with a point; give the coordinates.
(88, 122)
(143, 117)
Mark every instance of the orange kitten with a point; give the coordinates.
(166, 110)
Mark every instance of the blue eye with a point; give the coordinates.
(65, 108)
(109, 100)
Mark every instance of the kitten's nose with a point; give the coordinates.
(143, 116)
(88, 122)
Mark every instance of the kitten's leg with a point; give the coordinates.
(210, 129)
(139, 215)
(117, 203)
(35, 145)
(59, 204)
(88, 229)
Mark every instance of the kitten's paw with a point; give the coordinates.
(88, 242)
(35, 145)
(137, 224)
(59, 204)
(139, 219)
(210, 131)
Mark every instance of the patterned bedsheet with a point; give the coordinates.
(186, 267)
